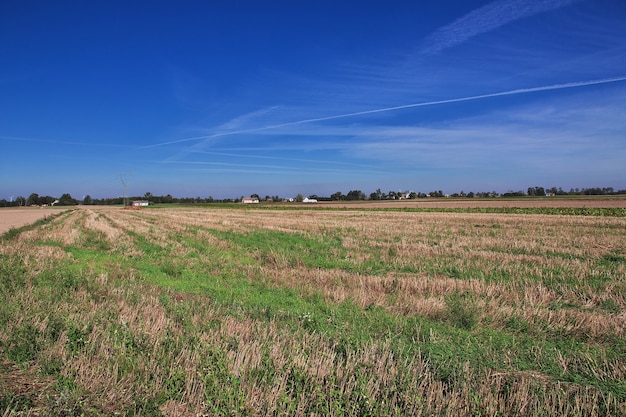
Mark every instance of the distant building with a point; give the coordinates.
(309, 200)
(141, 203)
(250, 200)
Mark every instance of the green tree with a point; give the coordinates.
(67, 200)
(33, 199)
(536, 191)
(378, 195)
(355, 195)
(337, 196)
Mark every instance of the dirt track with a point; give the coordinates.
(21, 216)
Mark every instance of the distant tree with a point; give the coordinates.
(355, 195)
(255, 196)
(470, 194)
(46, 200)
(337, 196)
(536, 191)
(33, 199)
(513, 193)
(67, 200)
(87, 200)
(299, 198)
(377, 195)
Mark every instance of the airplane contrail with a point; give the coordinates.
(487, 18)
(401, 107)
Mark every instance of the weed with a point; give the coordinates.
(10, 234)
(461, 310)
(23, 343)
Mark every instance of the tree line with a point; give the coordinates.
(531, 191)
(35, 199)
(67, 200)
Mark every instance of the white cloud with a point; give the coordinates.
(485, 19)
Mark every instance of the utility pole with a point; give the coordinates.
(124, 178)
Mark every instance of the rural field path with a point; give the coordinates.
(21, 216)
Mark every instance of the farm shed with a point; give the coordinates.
(250, 200)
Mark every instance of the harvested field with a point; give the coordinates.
(241, 311)
(547, 202)
(18, 217)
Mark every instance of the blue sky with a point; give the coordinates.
(227, 99)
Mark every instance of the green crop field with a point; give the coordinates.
(188, 311)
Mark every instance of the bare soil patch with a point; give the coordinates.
(21, 216)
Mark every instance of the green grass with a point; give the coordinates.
(232, 289)
(94, 307)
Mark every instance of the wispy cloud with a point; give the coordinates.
(540, 134)
(485, 19)
(552, 136)
(210, 166)
(277, 158)
(395, 108)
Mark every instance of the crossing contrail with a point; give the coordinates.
(401, 107)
